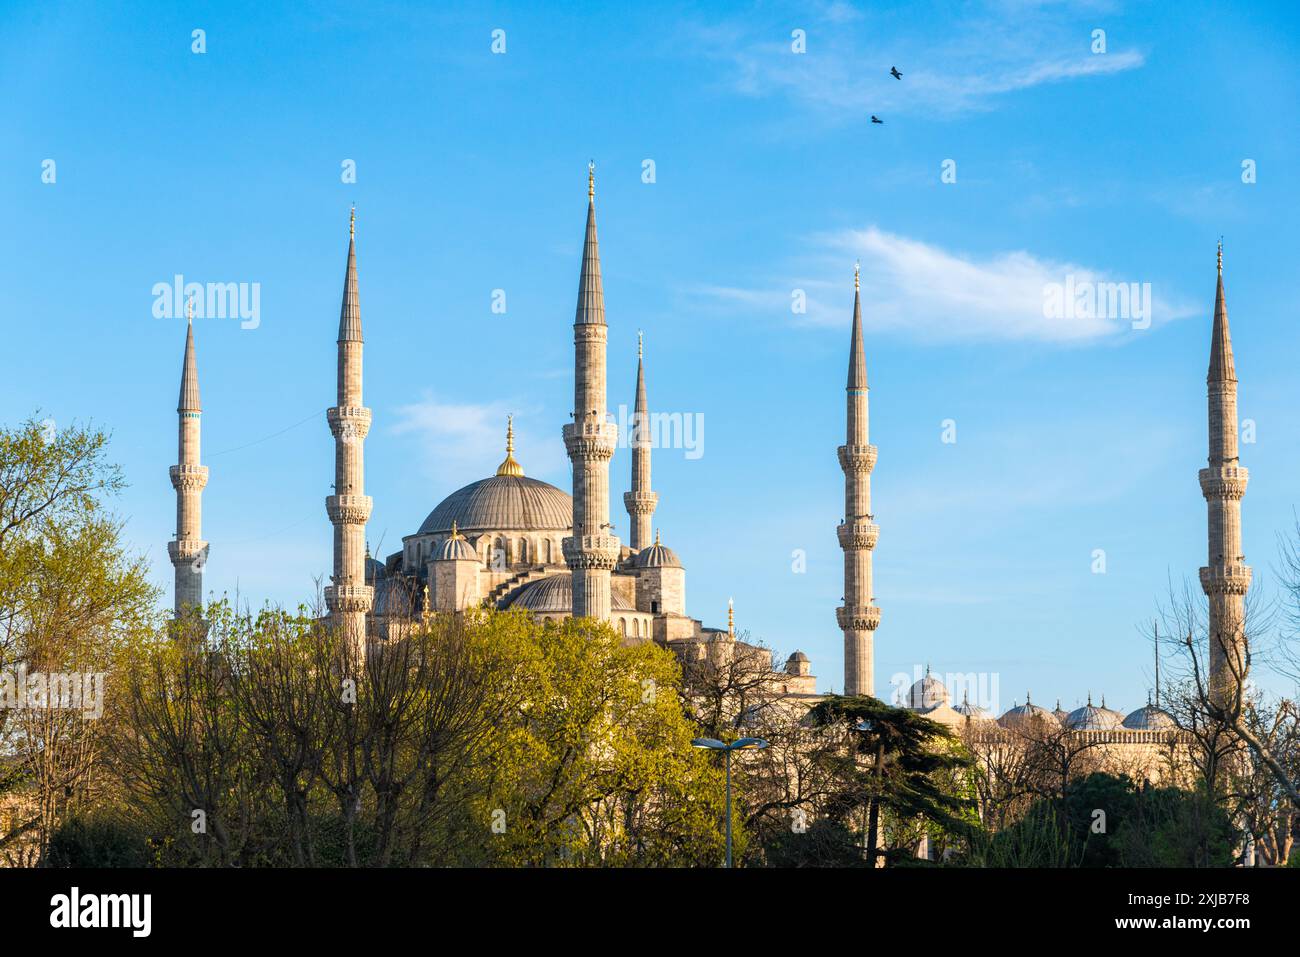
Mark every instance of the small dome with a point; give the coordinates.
(375, 570)
(456, 549)
(927, 693)
(1150, 718)
(1027, 713)
(798, 656)
(657, 555)
(972, 711)
(1090, 718)
(1061, 713)
(554, 595)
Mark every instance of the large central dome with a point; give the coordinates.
(502, 503)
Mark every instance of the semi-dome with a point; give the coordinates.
(1150, 718)
(1027, 713)
(657, 555)
(927, 693)
(1090, 718)
(503, 503)
(554, 595)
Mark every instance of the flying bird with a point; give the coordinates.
(876, 119)
(893, 71)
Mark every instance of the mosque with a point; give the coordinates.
(511, 541)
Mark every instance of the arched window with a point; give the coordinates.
(549, 559)
(523, 550)
(622, 627)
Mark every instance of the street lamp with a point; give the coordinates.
(713, 744)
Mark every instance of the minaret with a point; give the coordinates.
(1226, 576)
(188, 551)
(858, 617)
(641, 501)
(349, 598)
(592, 551)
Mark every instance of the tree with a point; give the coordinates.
(70, 599)
(895, 760)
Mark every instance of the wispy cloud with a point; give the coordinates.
(844, 70)
(931, 293)
(457, 441)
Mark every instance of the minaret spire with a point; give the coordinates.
(349, 598)
(510, 466)
(188, 552)
(592, 551)
(858, 616)
(640, 501)
(1226, 576)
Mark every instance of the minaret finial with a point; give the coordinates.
(731, 617)
(640, 344)
(510, 466)
(591, 179)
(1220, 255)
(352, 222)
(189, 309)
(857, 276)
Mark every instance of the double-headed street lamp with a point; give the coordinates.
(713, 744)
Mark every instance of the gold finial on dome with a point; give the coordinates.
(510, 466)
(455, 532)
(656, 536)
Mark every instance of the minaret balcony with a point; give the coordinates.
(349, 509)
(1224, 482)
(349, 598)
(1231, 579)
(862, 535)
(591, 551)
(349, 423)
(857, 617)
(591, 440)
(590, 332)
(185, 550)
(188, 478)
(640, 503)
(857, 458)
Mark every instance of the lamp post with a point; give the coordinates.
(713, 744)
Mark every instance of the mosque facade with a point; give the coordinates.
(513, 541)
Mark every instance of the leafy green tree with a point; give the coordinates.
(892, 760)
(71, 599)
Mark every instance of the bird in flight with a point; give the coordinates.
(893, 71)
(876, 119)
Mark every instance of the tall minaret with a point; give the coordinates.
(592, 551)
(188, 551)
(641, 501)
(859, 616)
(349, 597)
(1226, 576)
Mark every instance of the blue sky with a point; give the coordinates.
(1072, 435)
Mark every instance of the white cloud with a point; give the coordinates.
(993, 53)
(931, 293)
(461, 442)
